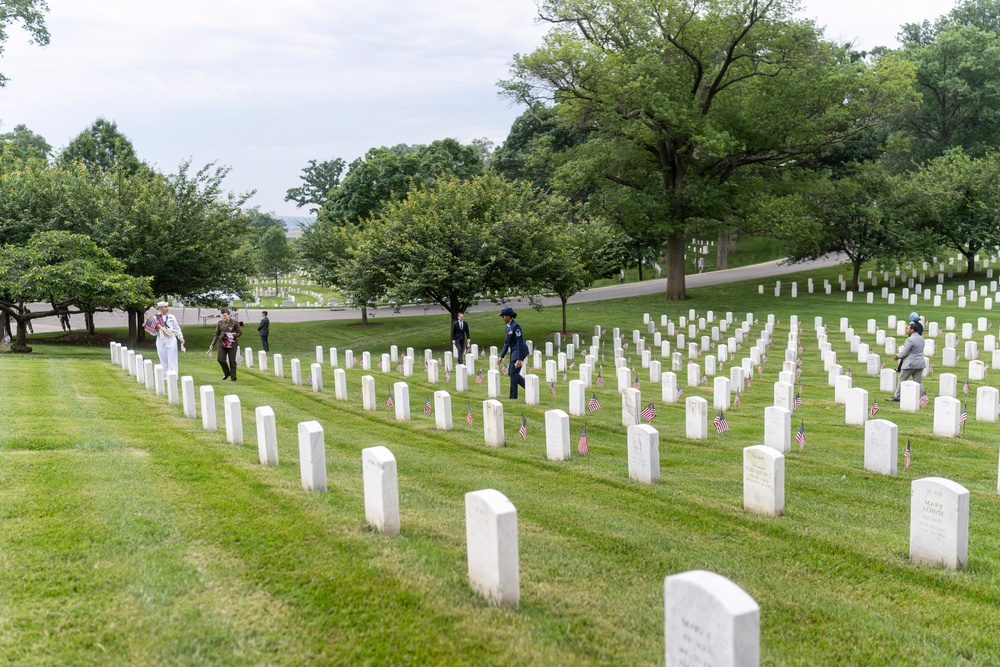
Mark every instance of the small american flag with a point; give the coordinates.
(428, 408)
(309, 379)
(798, 361)
(798, 402)
(388, 401)
(704, 379)
(965, 389)
(503, 369)
(380, 364)
(447, 376)
(565, 376)
(736, 401)
(906, 455)
(600, 379)
(479, 376)
(649, 412)
(468, 416)
(399, 367)
(635, 381)
(680, 392)
(361, 393)
(800, 349)
(964, 417)
(874, 409)
(749, 383)
(583, 448)
(594, 405)
(763, 359)
(800, 436)
(849, 373)
(524, 428)
(552, 389)
(930, 370)
(721, 425)
(881, 366)
(924, 400)
(798, 372)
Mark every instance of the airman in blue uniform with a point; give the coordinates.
(513, 341)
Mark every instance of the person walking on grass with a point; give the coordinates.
(263, 328)
(460, 336)
(513, 341)
(169, 337)
(227, 331)
(911, 357)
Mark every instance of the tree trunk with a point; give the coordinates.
(970, 259)
(564, 299)
(88, 319)
(132, 317)
(21, 340)
(676, 289)
(364, 315)
(453, 307)
(722, 251)
(857, 274)
(640, 270)
(276, 282)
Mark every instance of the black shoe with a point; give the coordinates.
(892, 400)
(233, 378)
(225, 377)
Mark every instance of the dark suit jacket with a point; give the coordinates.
(460, 331)
(263, 327)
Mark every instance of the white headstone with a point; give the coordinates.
(267, 436)
(763, 480)
(401, 401)
(577, 398)
(881, 446)
(947, 412)
(442, 410)
(557, 443)
(316, 371)
(234, 419)
(778, 428)
(987, 404)
(710, 621)
(172, 393)
(631, 407)
(312, 456)
(381, 489)
(340, 384)
(696, 422)
(939, 522)
(207, 407)
(856, 409)
(493, 423)
(491, 539)
(643, 454)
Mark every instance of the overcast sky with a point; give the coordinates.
(265, 86)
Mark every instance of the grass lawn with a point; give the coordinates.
(128, 535)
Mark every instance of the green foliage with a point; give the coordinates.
(959, 201)
(459, 240)
(685, 95)
(101, 147)
(274, 255)
(863, 215)
(30, 13)
(68, 271)
(22, 143)
(387, 174)
(318, 181)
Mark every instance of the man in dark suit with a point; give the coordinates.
(262, 330)
(460, 336)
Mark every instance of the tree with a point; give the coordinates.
(864, 216)
(458, 241)
(960, 202)
(959, 85)
(582, 252)
(318, 180)
(683, 94)
(259, 222)
(102, 147)
(67, 270)
(388, 174)
(329, 250)
(23, 143)
(30, 13)
(274, 256)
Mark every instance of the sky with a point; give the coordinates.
(263, 87)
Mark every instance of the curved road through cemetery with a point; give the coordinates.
(190, 316)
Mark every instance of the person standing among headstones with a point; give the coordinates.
(460, 336)
(911, 356)
(513, 341)
(169, 337)
(262, 330)
(226, 333)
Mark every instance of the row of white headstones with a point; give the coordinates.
(939, 508)
(696, 602)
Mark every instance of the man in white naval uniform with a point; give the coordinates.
(168, 337)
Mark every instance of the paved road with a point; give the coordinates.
(190, 316)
